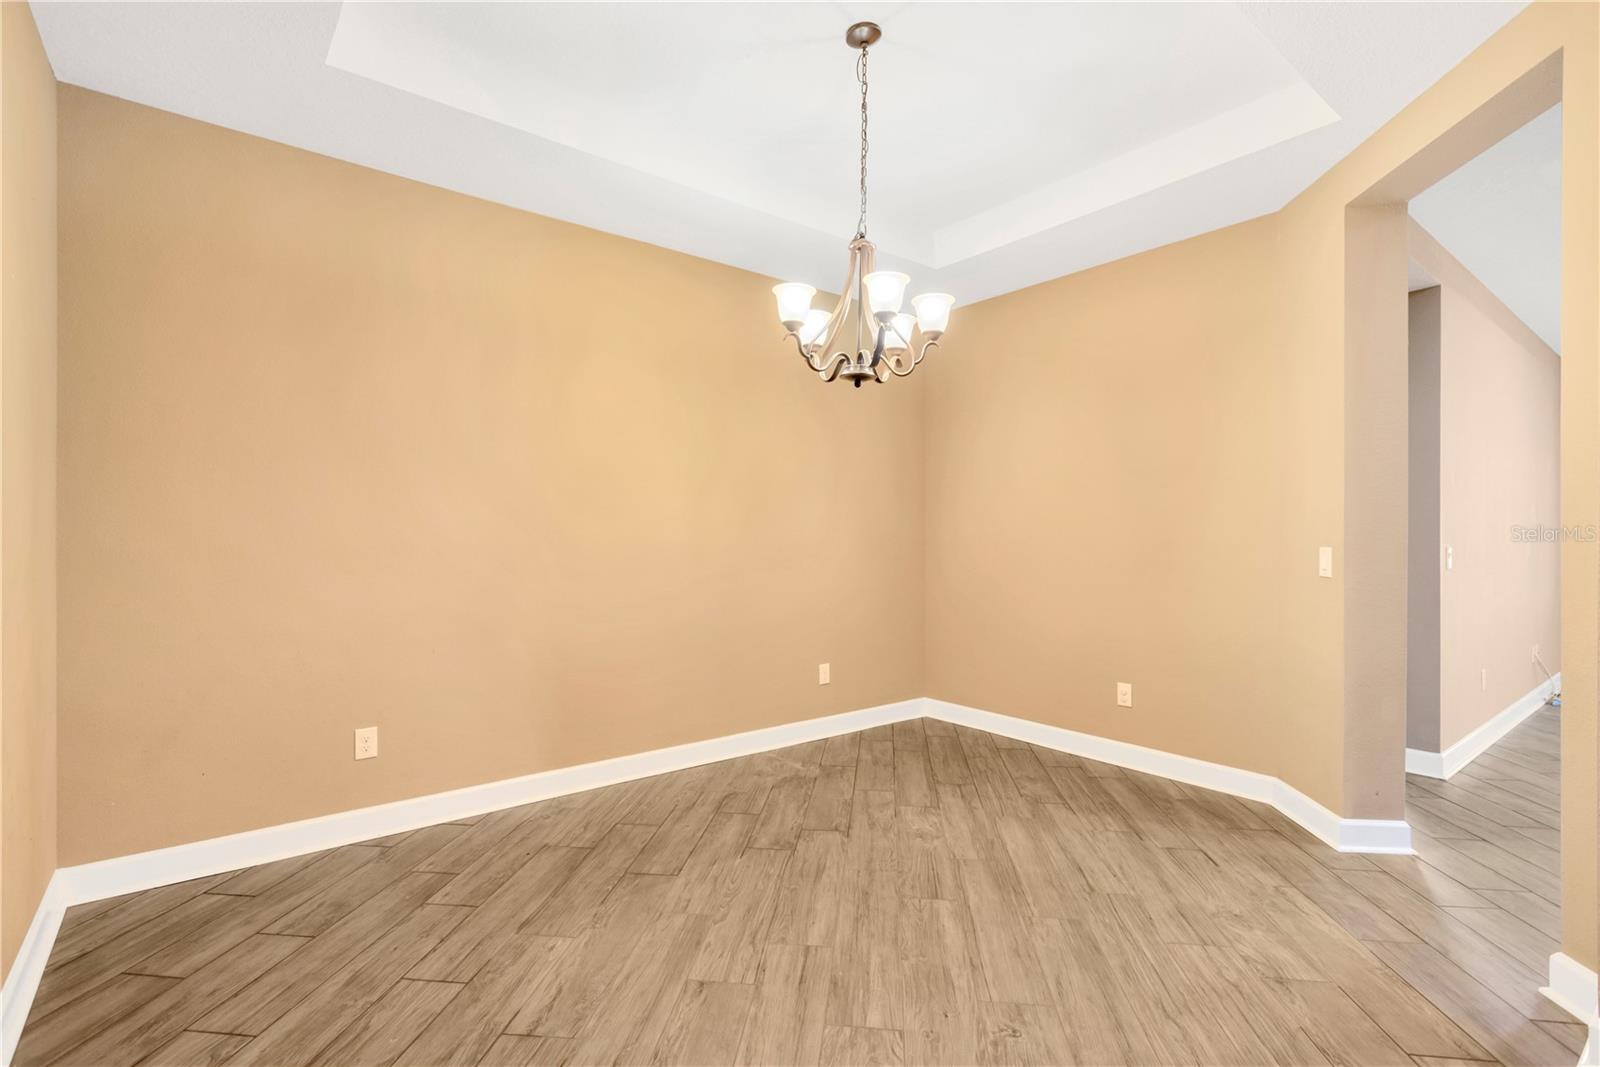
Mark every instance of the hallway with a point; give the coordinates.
(1485, 886)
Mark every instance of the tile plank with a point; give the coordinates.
(264, 1001)
(314, 1023)
(707, 1025)
(377, 1038)
(163, 1017)
(468, 1022)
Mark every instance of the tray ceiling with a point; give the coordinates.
(1010, 143)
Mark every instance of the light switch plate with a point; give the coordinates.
(1325, 561)
(824, 673)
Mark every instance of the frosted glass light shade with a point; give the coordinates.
(885, 291)
(897, 335)
(794, 300)
(933, 312)
(811, 330)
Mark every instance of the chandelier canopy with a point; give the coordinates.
(886, 338)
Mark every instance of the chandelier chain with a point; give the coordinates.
(861, 76)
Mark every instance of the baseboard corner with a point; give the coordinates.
(22, 981)
(1575, 989)
(1346, 835)
(1427, 764)
(1446, 764)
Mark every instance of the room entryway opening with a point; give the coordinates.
(1464, 518)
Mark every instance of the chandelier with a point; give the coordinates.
(884, 335)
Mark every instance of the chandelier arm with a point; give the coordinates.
(811, 355)
(895, 363)
(836, 363)
(865, 254)
(800, 348)
(841, 310)
(828, 367)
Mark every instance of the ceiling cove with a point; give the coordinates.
(1016, 142)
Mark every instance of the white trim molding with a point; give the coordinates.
(22, 981)
(1573, 988)
(146, 870)
(1445, 764)
(1346, 835)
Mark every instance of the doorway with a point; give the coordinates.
(1376, 340)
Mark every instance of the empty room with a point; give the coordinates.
(799, 534)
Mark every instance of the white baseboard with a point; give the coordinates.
(1573, 988)
(1428, 764)
(1445, 764)
(22, 981)
(146, 870)
(1346, 835)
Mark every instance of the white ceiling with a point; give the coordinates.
(766, 116)
(1500, 215)
(1011, 143)
(1417, 277)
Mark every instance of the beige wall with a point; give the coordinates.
(1104, 466)
(342, 450)
(1546, 53)
(27, 475)
(1130, 470)
(1580, 484)
(1372, 563)
(1497, 396)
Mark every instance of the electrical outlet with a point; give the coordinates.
(1325, 562)
(1124, 694)
(367, 742)
(824, 673)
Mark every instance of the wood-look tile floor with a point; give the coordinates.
(908, 895)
